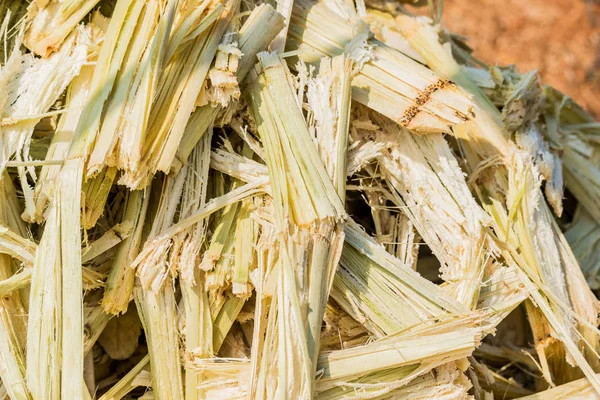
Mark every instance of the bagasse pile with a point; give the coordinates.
(217, 199)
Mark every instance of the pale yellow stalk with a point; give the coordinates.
(95, 193)
(76, 96)
(198, 331)
(173, 106)
(72, 289)
(158, 312)
(387, 80)
(52, 21)
(121, 132)
(32, 86)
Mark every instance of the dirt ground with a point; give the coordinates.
(559, 38)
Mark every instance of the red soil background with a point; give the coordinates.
(559, 38)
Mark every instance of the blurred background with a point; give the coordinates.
(559, 38)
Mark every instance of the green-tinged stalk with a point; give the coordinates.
(224, 319)
(573, 132)
(109, 61)
(308, 217)
(381, 292)
(118, 289)
(246, 236)
(108, 240)
(583, 236)
(95, 320)
(221, 242)
(12, 15)
(12, 208)
(258, 31)
(130, 381)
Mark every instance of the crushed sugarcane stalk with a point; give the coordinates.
(313, 199)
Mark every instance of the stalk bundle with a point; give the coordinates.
(223, 199)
